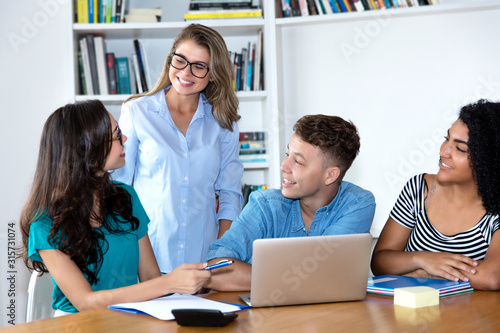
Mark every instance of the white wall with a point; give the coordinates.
(34, 82)
(400, 79)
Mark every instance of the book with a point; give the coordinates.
(162, 307)
(100, 57)
(327, 7)
(118, 11)
(143, 15)
(133, 81)
(258, 61)
(111, 70)
(385, 285)
(311, 6)
(223, 14)
(122, 75)
(304, 9)
(227, 4)
(140, 62)
(86, 66)
(92, 11)
(93, 63)
(249, 74)
(82, 87)
(238, 71)
(244, 68)
(286, 8)
(82, 11)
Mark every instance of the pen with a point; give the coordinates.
(221, 263)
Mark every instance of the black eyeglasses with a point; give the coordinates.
(119, 137)
(197, 69)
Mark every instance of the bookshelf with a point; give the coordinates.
(259, 109)
(273, 110)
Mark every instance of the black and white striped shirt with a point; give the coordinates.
(409, 211)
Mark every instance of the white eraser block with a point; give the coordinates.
(416, 297)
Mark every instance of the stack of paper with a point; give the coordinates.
(162, 307)
(385, 285)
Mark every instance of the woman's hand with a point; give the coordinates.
(187, 278)
(446, 265)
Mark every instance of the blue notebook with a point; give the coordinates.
(385, 285)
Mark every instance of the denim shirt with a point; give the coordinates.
(269, 214)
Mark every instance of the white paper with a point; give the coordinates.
(162, 307)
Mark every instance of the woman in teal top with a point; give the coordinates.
(90, 233)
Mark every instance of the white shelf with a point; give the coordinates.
(163, 30)
(256, 165)
(243, 96)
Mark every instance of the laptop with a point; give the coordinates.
(305, 270)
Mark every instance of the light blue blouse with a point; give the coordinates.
(177, 176)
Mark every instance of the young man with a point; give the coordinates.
(313, 200)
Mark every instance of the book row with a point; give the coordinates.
(101, 73)
(248, 66)
(290, 8)
(112, 11)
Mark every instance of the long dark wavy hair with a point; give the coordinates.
(483, 122)
(71, 188)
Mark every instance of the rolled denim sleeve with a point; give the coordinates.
(252, 224)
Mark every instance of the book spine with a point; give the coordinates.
(258, 61)
(304, 9)
(334, 6)
(112, 83)
(142, 72)
(133, 81)
(342, 6)
(286, 8)
(244, 68)
(113, 11)
(251, 56)
(123, 77)
(109, 4)
(238, 72)
(82, 10)
(83, 87)
(100, 56)
(91, 10)
(86, 65)
(216, 15)
(118, 11)
(137, 73)
(93, 63)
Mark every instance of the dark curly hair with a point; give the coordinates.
(71, 188)
(338, 139)
(483, 122)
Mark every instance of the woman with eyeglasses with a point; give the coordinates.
(88, 231)
(183, 147)
(445, 225)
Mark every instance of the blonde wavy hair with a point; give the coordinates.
(219, 91)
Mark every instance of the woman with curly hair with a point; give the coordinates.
(183, 148)
(444, 225)
(90, 233)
